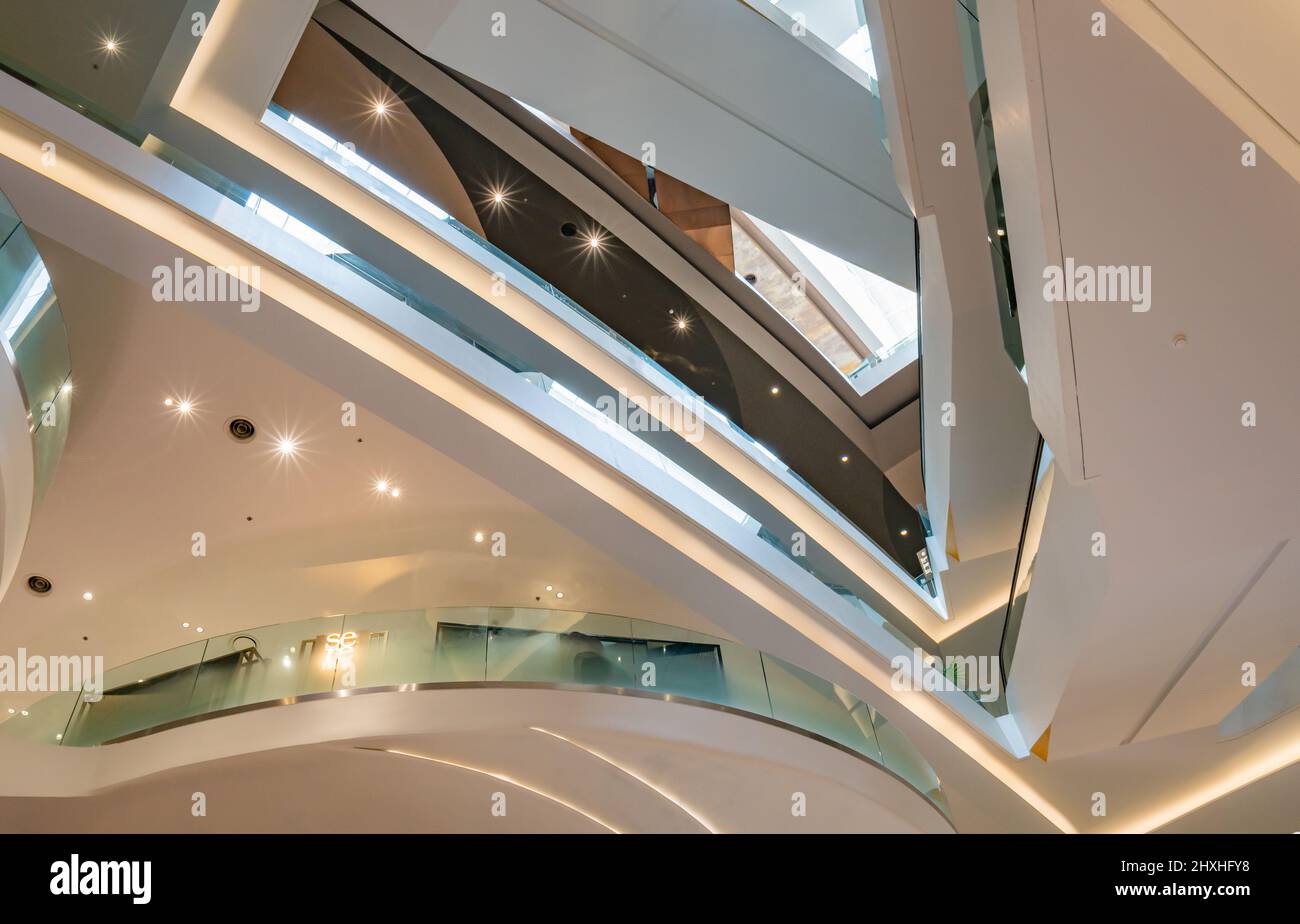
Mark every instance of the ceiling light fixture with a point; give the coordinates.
(185, 625)
(198, 628)
(845, 459)
(88, 596)
(775, 389)
(66, 389)
(478, 537)
(395, 492)
(902, 532)
(381, 486)
(286, 446)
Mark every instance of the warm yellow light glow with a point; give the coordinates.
(395, 492)
(504, 779)
(704, 823)
(381, 486)
(286, 446)
(478, 537)
(88, 596)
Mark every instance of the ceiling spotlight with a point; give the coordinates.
(110, 44)
(775, 389)
(549, 588)
(380, 107)
(12, 710)
(66, 389)
(681, 324)
(1002, 232)
(478, 537)
(185, 406)
(198, 628)
(559, 594)
(88, 596)
(286, 446)
(25, 712)
(902, 532)
(395, 492)
(168, 402)
(594, 240)
(845, 459)
(185, 625)
(381, 486)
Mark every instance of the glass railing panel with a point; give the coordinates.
(697, 666)
(32, 325)
(809, 702)
(143, 694)
(540, 646)
(403, 647)
(981, 116)
(271, 662)
(898, 754)
(1040, 493)
(44, 721)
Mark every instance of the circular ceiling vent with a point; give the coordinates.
(569, 229)
(39, 584)
(241, 429)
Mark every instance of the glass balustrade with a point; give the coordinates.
(36, 343)
(490, 645)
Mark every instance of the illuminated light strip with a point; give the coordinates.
(1226, 785)
(636, 776)
(504, 779)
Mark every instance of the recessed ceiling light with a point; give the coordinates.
(844, 458)
(198, 628)
(380, 108)
(168, 402)
(12, 711)
(1002, 232)
(395, 492)
(185, 406)
(681, 324)
(88, 596)
(595, 240)
(775, 389)
(549, 588)
(110, 44)
(902, 532)
(286, 446)
(185, 625)
(559, 594)
(478, 537)
(381, 485)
